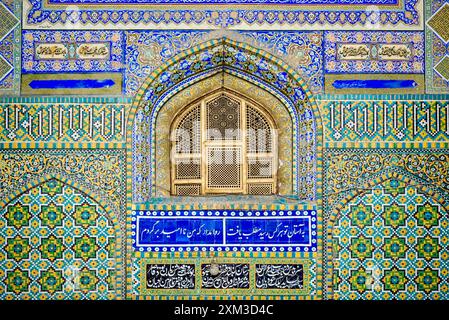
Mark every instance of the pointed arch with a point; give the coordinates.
(241, 60)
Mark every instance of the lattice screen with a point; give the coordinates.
(223, 118)
(188, 168)
(260, 188)
(188, 132)
(224, 144)
(259, 131)
(224, 167)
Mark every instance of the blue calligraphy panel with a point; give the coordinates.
(179, 231)
(223, 230)
(268, 231)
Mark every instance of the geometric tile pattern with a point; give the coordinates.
(436, 49)
(385, 120)
(351, 172)
(391, 242)
(9, 21)
(220, 13)
(438, 22)
(5, 68)
(443, 67)
(62, 121)
(56, 243)
(10, 10)
(146, 50)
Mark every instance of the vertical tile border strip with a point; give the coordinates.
(17, 63)
(430, 37)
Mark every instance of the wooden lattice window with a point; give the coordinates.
(223, 144)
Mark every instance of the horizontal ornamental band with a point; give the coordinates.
(224, 230)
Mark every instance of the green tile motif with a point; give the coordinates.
(400, 253)
(443, 67)
(438, 22)
(5, 67)
(9, 21)
(47, 254)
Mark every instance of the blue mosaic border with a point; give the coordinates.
(227, 15)
(174, 2)
(277, 215)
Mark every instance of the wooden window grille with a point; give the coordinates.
(223, 144)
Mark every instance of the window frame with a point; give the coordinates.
(241, 144)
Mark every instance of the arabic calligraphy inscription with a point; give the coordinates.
(279, 276)
(170, 276)
(230, 276)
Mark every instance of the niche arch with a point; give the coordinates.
(251, 92)
(224, 56)
(224, 131)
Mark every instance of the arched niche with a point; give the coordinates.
(235, 85)
(248, 64)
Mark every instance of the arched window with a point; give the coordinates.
(223, 144)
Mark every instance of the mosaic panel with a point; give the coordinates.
(71, 51)
(391, 120)
(236, 275)
(437, 47)
(146, 50)
(351, 172)
(442, 68)
(373, 52)
(437, 22)
(8, 18)
(10, 47)
(350, 168)
(99, 170)
(56, 243)
(290, 230)
(21, 120)
(229, 276)
(391, 243)
(170, 276)
(279, 276)
(319, 14)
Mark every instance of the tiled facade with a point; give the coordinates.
(359, 94)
